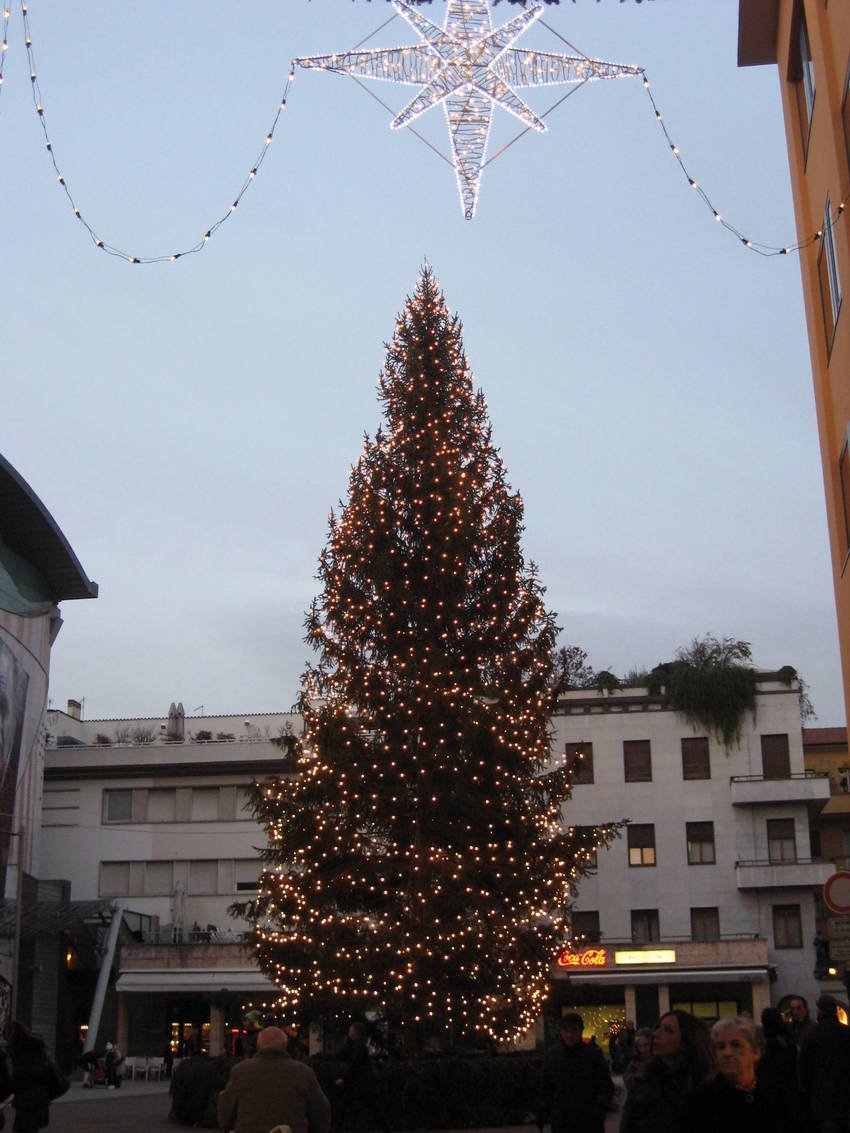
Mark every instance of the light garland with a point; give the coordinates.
(492, 87)
(101, 244)
(470, 68)
(752, 245)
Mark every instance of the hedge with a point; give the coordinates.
(447, 1092)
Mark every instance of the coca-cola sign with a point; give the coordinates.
(589, 958)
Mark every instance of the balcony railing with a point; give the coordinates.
(809, 787)
(764, 873)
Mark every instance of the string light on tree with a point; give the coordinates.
(471, 68)
(417, 861)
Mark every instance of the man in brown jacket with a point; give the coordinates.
(273, 1089)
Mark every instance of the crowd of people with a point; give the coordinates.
(684, 1077)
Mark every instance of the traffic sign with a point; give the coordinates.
(836, 892)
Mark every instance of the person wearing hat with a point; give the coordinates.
(824, 1067)
(577, 1087)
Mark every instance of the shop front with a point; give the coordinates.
(612, 983)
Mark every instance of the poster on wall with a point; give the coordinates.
(13, 701)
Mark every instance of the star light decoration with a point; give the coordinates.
(470, 67)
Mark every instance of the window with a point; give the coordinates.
(118, 806)
(114, 879)
(247, 875)
(637, 761)
(787, 926)
(844, 477)
(158, 879)
(700, 837)
(695, 759)
(579, 757)
(645, 927)
(845, 114)
(804, 75)
(587, 836)
(781, 846)
(203, 877)
(162, 805)
(775, 757)
(705, 923)
(204, 804)
(830, 283)
(641, 841)
(586, 926)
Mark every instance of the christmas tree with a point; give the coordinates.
(417, 862)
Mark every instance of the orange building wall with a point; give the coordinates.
(822, 170)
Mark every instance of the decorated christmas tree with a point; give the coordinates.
(417, 863)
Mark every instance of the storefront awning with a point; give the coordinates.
(193, 980)
(672, 976)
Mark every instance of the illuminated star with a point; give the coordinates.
(470, 67)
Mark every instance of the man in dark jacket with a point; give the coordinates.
(577, 1086)
(273, 1089)
(825, 1071)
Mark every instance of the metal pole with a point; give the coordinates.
(19, 910)
(103, 977)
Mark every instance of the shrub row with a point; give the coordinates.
(449, 1092)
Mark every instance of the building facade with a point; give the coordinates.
(150, 816)
(708, 899)
(809, 42)
(38, 570)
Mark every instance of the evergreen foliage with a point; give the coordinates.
(417, 863)
(712, 683)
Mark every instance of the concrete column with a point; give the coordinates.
(631, 1002)
(216, 1031)
(122, 1038)
(663, 999)
(761, 998)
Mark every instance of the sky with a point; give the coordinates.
(190, 425)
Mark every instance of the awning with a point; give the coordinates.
(619, 978)
(193, 980)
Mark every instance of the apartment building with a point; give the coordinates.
(809, 42)
(708, 899)
(149, 816)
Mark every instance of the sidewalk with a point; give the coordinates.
(142, 1107)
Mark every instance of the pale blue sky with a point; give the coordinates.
(190, 425)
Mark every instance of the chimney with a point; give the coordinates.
(75, 709)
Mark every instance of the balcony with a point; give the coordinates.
(809, 787)
(765, 874)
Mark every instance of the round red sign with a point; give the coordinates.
(836, 892)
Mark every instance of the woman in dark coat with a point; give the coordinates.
(737, 1100)
(36, 1080)
(681, 1061)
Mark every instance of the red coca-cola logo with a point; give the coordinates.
(590, 958)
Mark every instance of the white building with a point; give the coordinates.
(151, 814)
(707, 901)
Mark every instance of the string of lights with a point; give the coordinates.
(4, 47)
(752, 245)
(468, 164)
(99, 243)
